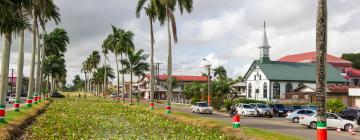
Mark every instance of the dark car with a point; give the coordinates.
(57, 95)
(279, 109)
(294, 107)
(351, 114)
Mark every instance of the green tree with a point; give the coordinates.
(220, 72)
(152, 10)
(169, 7)
(321, 52)
(99, 76)
(12, 20)
(79, 83)
(195, 91)
(354, 58)
(136, 65)
(121, 42)
(54, 67)
(335, 105)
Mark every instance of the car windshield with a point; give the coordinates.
(297, 107)
(247, 106)
(261, 106)
(203, 104)
(313, 107)
(279, 106)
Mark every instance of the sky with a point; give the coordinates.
(225, 32)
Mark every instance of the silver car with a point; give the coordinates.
(262, 109)
(201, 107)
(295, 115)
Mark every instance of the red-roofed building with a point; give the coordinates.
(310, 57)
(351, 74)
(160, 85)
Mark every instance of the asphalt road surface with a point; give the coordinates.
(280, 125)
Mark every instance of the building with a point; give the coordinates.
(160, 85)
(345, 67)
(269, 80)
(239, 89)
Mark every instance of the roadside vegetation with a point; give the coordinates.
(95, 118)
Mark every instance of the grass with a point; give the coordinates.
(12, 116)
(96, 118)
(242, 133)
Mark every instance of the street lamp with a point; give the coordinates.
(208, 66)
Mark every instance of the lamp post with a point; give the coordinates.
(208, 66)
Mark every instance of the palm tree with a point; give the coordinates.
(121, 42)
(42, 10)
(105, 51)
(99, 75)
(220, 72)
(86, 69)
(94, 61)
(152, 10)
(12, 20)
(169, 6)
(136, 65)
(321, 51)
(54, 67)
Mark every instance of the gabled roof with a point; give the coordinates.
(353, 72)
(290, 71)
(311, 57)
(330, 88)
(184, 78)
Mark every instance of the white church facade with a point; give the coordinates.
(269, 80)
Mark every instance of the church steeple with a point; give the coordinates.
(264, 48)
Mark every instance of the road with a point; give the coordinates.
(280, 125)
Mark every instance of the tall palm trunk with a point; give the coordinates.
(20, 68)
(32, 67)
(321, 51)
(37, 74)
(105, 76)
(130, 87)
(152, 79)
(41, 75)
(122, 78)
(118, 78)
(4, 72)
(169, 69)
(85, 82)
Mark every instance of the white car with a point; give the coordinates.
(333, 122)
(246, 110)
(201, 107)
(295, 115)
(12, 99)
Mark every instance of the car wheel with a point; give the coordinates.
(243, 113)
(347, 127)
(313, 125)
(296, 120)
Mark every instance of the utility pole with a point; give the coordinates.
(11, 80)
(157, 73)
(209, 82)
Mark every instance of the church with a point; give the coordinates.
(269, 80)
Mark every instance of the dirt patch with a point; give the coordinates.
(15, 128)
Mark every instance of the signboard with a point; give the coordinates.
(354, 91)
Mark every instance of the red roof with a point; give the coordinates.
(183, 78)
(311, 57)
(338, 88)
(352, 72)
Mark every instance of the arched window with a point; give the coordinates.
(265, 90)
(288, 87)
(276, 90)
(249, 90)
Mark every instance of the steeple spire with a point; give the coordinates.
(264, 48)
(265, 40)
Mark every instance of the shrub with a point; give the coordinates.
(335, 105)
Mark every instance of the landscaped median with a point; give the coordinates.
(243, 133)
(16, 121)
(97, 118)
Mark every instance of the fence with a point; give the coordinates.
(180, 101)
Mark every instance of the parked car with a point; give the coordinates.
(311, 107)
(294, 107)
(262, 109)
(246, 110)
(295, 115)
(201, 107)
(279, 109)
(351, 114)
(12, 98)
(333, 122)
